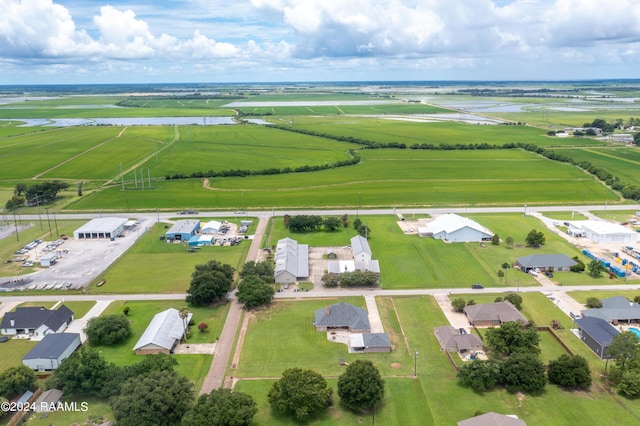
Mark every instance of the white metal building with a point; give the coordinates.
(211, 227)
(453, 228)
(163, 333)
(292, 261)
(604, 232)
(104, 227)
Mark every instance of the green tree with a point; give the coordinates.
(300, 393)
(209, 282)
(20, 189)
(509, 241)
(16, 380)
(624, 348)
(535, 238)
(596, 268)
(332, 223)
(630, 383)
(511, 338)
(364, 231)
(331, 279)
(593, 302)
(360, 386)
(636, 139)
(480, 375)
(107, 329)
(358, 278)
(357, 223)
(523, 372)
(515, 299)
(221, 407)
(253, 292)
(160, 398)
(264, 270)
(84, 372)
(14, 203)
(579, 266)
(570, 371)
(495, 240)
(458, 304)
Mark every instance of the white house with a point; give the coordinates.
(453, 228)
(36, 321)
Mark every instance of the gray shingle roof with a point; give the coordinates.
(615, 308)
(450, 336)
(546, 260)
(35, 316)
(492, 419)
(343, 315)
(599, 329)
(498, 311)
(376, 340)
(52, 345)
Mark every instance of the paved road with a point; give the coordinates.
(224, 346)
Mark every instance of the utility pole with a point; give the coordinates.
(39, 216)
(15, 222)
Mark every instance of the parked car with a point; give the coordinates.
(477, 286)
(4, 339)
(549, 274)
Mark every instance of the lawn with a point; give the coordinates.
(553, 406)
(268, 348)
(194, 367)
(11, 352)
(155, 266)
(98, 411)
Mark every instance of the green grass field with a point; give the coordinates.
(623, 163)
(98, 411)
(11, 352)
(155, 266)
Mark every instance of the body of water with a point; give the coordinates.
(124, 121)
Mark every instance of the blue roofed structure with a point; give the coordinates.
(182, 230)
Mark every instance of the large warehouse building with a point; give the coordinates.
(453, 228)
(104, 227)
(183, 230)
(604, 232)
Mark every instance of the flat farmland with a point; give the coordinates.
(383, 130)
(130, 147)
(203, 148)
(23, 157)
(323, 109)
(402, 178)
(621, 162)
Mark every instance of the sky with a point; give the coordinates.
(209, 41)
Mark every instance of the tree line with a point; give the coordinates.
(37, 194)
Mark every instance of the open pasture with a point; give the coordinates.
(623, 163)
(177, 102)
(383, 178)
(383, 130)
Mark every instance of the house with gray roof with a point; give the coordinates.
(46, 400)
(51, 351)
(493, 314)
(292, 261)
(492, 419)
(342, 316)
(451, 340)
(36, 321)
(163, 333)
(545, 262)
(615, 310)
(596, 333)
(369, 342)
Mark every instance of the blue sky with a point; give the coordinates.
(91, 41)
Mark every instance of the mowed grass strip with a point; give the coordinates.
(624, 163)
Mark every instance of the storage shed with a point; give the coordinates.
(100, 228)
(48, 259)
(201, 240)
(183, 230)
(163, 333)
(51, 351)
(211, 227)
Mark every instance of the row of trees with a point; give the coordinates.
(149, 392)
(39, 193)
(625, 373)
(304, 394)
(355, 278)
(354, 159)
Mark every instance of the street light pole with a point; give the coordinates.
(415, 364)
